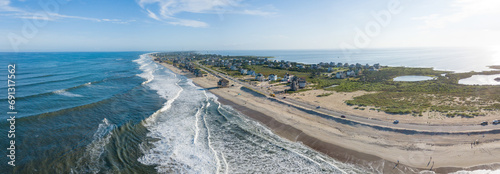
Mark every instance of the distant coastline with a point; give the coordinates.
(442, 59)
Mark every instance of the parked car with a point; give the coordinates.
(484, 123)
(318, 107)
(342, 116)
(395, 122)
(495, 122)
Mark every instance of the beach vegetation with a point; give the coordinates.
(324, 95)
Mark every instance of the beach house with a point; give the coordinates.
(302, 83)
(233, 68)
(273, 77)
(251, 72)
(260, 77)
(287, 77)
(340, 75)
(351, 73)
(297, 83)
(222, 83)
(243, 71)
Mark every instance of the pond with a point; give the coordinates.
(480, 80)
(412, 78)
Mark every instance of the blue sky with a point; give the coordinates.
(160, 25)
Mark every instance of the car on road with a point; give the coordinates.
(495, 122)
(342, 116)
(395, 122)
(318, 107)
(484, 123)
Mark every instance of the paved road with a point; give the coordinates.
(363, 119)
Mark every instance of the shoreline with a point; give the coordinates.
(297, 128)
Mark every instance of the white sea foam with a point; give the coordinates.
(175, 151)
(195, 136)
(161, 80)
(147, 68)
(66, 93)
(197, 128)
(210, 146)
(173, 125)
(91, 161)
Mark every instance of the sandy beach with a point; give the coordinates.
(378, 151)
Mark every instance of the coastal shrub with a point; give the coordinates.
(324, 95)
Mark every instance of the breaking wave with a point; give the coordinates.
(92, 161)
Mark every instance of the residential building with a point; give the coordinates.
(273, 77)
(243, 71)
(340, 75)
(260, 77)
(223, 83)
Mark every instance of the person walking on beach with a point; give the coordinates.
(396, 165)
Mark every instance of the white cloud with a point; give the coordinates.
(8, 10)
(169, 9)
(463, 9)
(5, 6)
(257, 12)
(153, 15)
(189, 23)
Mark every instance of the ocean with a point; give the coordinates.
(119, 112)
(122, 113)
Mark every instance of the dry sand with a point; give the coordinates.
(362, 145)
(336, 101)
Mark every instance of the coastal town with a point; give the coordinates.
(313, 99)
(273, 77)
(245, 67)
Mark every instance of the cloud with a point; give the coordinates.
(463, 9)
(5, 6)
(189, 23)
(167, 10)
(257, 12)
(47, 16)
(153, 15)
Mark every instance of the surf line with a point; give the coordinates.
(167, 105)
(197, 129)
(152, 77)
(225, 163)
(210, 145)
